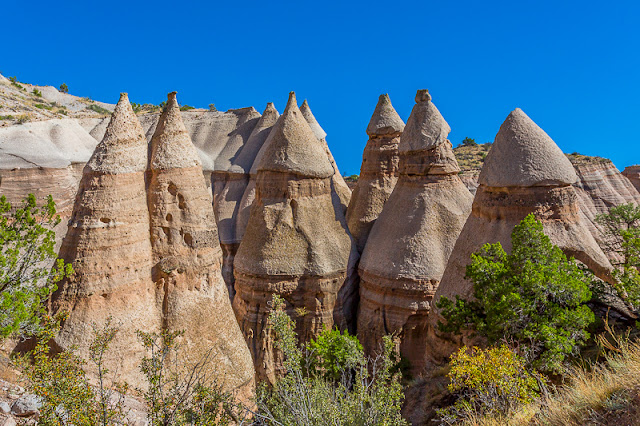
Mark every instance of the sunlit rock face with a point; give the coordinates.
(296, 243)
(409, 245)
(525, 172)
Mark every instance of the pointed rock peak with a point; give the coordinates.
(385, 120)
(269, 115)
(426, 128)
(313, 123)
(292, 146)
(524, 155)
(171, 146)
(123, 148)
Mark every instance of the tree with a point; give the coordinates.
(212, 107)
(64, 88)
(332, 353)
(534, 296)
(469, 142)
(621, 240)
(27, 251)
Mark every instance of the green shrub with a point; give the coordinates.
(533, 296)
(27, 250)
(64, 88)
(368, 394)
(186, 108)
(23, 119)
(489, 382)
(332, 353)
(212, 107)
(43, 106)
(98, 109)
(469, 142)
(6, 117)
(37, 93)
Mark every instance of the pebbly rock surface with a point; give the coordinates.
(187, 257)
(378, 172)
(508, 192)
(296, 243)
(409, 245)
(108, 245)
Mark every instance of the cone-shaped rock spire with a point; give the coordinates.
(409, 245)
(295, 245)
(108, 245)
(187, 256)
(339, 188)
(524, 155)
(385, 120)
(378, 172)
(515, 181)
(289, 148)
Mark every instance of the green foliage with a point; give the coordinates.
(13, 79)
(27, 249)
(351, 178)
(64, 88)
(368, 394)
(43, 106)
(37, 93)
(469, 142)
(212, 107)
(6, 117)
(136, 107)
(98, 109)
(180, 393)
(14, 82)
(61, 383)
(533, 296)
(23, 119)
(332, 353)
(186, 108)
(621, 237)
(488, 382)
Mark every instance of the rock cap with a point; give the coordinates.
(171, 146)
(385, 120)
(524, 155)
(292, 146)
(311, 119)
(123, 148)
(247, 159)
(426, 128)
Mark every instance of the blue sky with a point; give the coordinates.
(573, 67)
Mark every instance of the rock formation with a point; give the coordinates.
(633, 174)
(296, 242)
(187, 256)
(410, 243)
(231, 196)
(108, 245)
(524, 172)
(340, 189)
(378, 173)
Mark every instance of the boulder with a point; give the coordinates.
(409, 245)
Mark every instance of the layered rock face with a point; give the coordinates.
(187, 256)
(296, 242)
(410, 243)
(525, 172)
(378, 173)
(229, 200)
(340, 190)
(633, 174)
(108, 245)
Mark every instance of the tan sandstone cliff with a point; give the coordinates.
(410, 243)
(378, 172)
(296, 242)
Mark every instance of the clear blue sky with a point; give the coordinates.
(574, 67)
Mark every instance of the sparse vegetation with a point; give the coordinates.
(37, 93)
(23, 119)
(14, 82)
(186, 108)
(534, 297)
(469, 142)
(7, 117)
(64, 88)
(43, 106)
(98, 109)
(212, 107)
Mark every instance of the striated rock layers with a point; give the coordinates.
(229, 200)
(524, 172)
(147, 253)
(633, 174)
(378, 173)
(187, 257)
(339, 189)
(296, 242)
(108, 244)
(410, 243)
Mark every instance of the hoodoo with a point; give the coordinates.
(187, 257)
(339, 188)
(296, 242)
(108, 245)
(378, 173)
(410, 243)
(524, 172)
